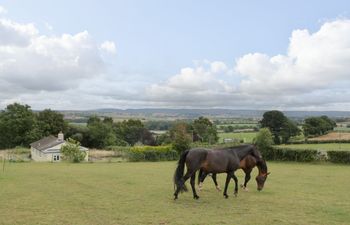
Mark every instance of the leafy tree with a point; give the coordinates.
(280, 126)
(18, 126)
(163, 139)
(79, 133)
(131, 131)
(100, 134)
(205, 130)
(51, 122)
(264, 140)
(318, 125)
(181, 138)
(71, 151)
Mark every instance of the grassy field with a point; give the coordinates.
(247, 137)
(141, 193)
(321, 147)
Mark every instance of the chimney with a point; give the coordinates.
(60, 136)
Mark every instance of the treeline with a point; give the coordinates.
(20, 126)
(283, 128)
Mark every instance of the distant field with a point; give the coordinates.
(333, 136)
(142, 193)
(247, 137)
(324, 147)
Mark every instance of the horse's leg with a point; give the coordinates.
(202, 175)
(193, 180)
(246, 179)
(236, 184)
(228, 178)
(183, 180)
(215, 182)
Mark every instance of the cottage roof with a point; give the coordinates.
(46, 142)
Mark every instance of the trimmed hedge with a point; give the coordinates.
(319, 141)
(339, 156)
(152, 153)
(286, 154)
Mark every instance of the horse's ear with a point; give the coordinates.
(268, 173)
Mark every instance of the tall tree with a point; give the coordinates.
(18, 126)
(181, 137)
(51, 122)
(100, 134)
(318, 125)
(205, 130)
(280, 126)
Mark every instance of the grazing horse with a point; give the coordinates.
(211, 161)
(246, 164)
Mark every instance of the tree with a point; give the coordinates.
(71, 151)
(205, 130)
(130, 131)
(318, 125)
(280, 126)
(100, 134)
(181, 138)
(18, 126)
(264, 140)
(51, 122)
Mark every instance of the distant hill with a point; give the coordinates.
(195, 113)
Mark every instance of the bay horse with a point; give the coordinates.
(211, 161)
(246, 164)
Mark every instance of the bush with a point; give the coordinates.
(285, 154)
(339, 156)
(152, 153)
(71, 151)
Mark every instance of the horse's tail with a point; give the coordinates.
(179, 172)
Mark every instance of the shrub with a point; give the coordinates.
(264, 140)
(152, 153)
(339, 156)
(71, 151)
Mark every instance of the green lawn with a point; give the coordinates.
(321, 147)
(142, 193)
(247, 137)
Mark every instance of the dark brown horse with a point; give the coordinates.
(211, 161)
(246, 164)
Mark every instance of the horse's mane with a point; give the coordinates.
(262, 165)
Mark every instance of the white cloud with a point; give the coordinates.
(313, 74)
(34, 62)
(198, 86)
(109, 46)
(313, 62)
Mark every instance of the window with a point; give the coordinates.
(56, 158)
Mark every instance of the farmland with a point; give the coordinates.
(247, 137)
(320, 147)
(141, 193)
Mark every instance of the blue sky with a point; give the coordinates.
(177, 54)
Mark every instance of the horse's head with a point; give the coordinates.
(260, 180)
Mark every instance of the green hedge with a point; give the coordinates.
(339, 156)
(286, 154)
(152, 153)
(319, 141)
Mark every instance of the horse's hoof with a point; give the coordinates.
(218, 188)
(242, 186)
(226, 196)
(245, 189)
(196, 197)
(175, 197)
(235, 194)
